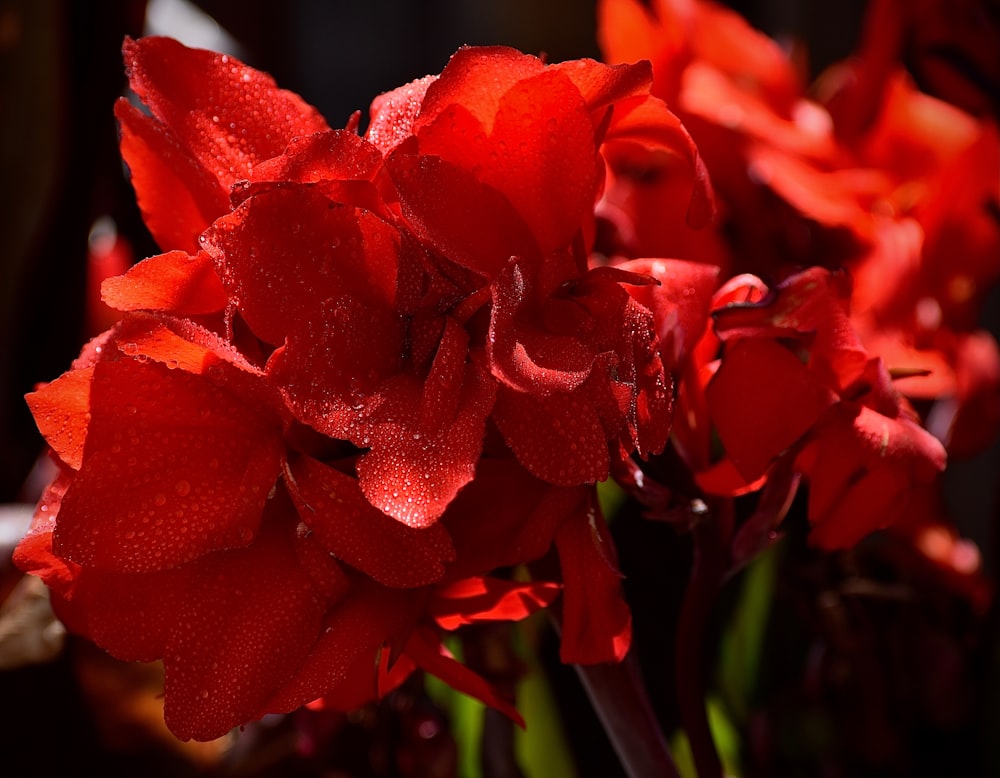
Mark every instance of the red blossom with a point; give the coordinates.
(794, 378)
(784, 378)
(322, 423)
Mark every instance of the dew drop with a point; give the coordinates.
(183, 488)
(215, 373)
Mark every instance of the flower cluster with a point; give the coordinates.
(892, 189)
(365, 394)
(370, 374)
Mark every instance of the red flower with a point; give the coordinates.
(865, 158)
(366, 373)
(794, 381)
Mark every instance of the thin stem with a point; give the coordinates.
(621, 703)
(703, 586)
(618, 695)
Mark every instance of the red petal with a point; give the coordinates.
(345, 523)
(175, 282)
(345, 166)
(369, 679)
(812, 306)
(452, 210)
(604, 85)
(286, 251)
(871, 503)
(180, 344)
(247, 621)
(336, 155)
(333, 365)
(367, 618)
(505, 517)
(423, 448)
(477, 77)
(640, 376)
(425, 649)
(532, 140)
(331, 580)
(680, 302)
(393, 114)
(856, 442)
(557, 437)
(747, 56)
(60, 409)
(522, 354)
(128, 615)
(174, 467)
(33, 554)
(724, 479)
(177, 196)
(650, 124)
(229, 116)
(762, 400)
(473, 600)
(597, 624)
(631, 31)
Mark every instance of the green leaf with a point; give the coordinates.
(611, 497)
(743, 639)
(542, 748)
(727, 742)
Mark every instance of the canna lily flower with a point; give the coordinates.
(832, 176)
(864, 172)
(795, 380)
(518, 254)
(366, 373)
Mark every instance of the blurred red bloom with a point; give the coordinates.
(793, 381)
(861, 165)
